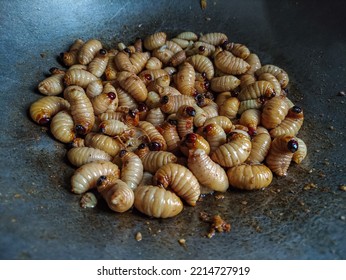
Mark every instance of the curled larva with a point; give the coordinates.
(230, 64)
(274, 112)
(272, 79)
(153, 160)
(276, 71)
(249, 176)
(185, 116)
(257, 89)
(238, 50)
(88, 51)
(132, 168)
(300, 155)
(123, 62)
(202, 64)
(103, 142)
(214, 38)
(153, 63)
(103, 102)
(185, 79)
(177, 58)
(254, 62)
(224, 122)
(249, 104)
(42, 110)
(291, 124)
(224, 83)
(94, 88)
(208, 173)
(62, 127)
(211, 110)
(86, 176)
(155, 116)
(79, 156)
(194, 141)
(222, 97)
(169, 132)
(215, 135)
(163, 53)
(79, 77)
(183, 43)
(125, 99)
(81, 109)
(180, 180)
(200, 116)
(229, 108)
(234, 152)
(155, 40)
(171, 104)
(260, 145)
(135, 87)
(153, 134)
(71, 56)
(117, 194)
(280, 154)
(98, 65)
(53, 85)
(139, 60)
(157, 202)
(150, 75)
(246, 79)
(113, 127)
(251, 118)
(173, 46)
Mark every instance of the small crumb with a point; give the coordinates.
(342, 188)
(218, 225)
(138, 236)
(341, 93)
(331, 127)
(343, 218)
(309, 186)
(208, 19)
(17, 195)
(182, 241)
(244, 202)
(43, 55)
(219, 196)
(88, 200)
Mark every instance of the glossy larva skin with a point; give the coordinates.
(177, 58)
(256, 90)
(276, 71)
(153, 63)
(238, 50)
(249, 176)
(280, 156)
(260, 145)
(88, 51)
(94, 88)
(188, 35)
(185, 79)
(81, 109)
(98, 65)
(103, 142)
(125, 99)
(194, 141)
(153, 160)
(153, 134)
(135, 87)
(251, 118)
(62, 127)
(85, 177)
(118, 195)
(273, 80)
(170, 133)
(157, 202)
(229, 108)
(112, 127)
(42, 110)
(300, 155)
(208, 173)
(150, 75)
(202, 64)
(185, 116)
(224, 122)
(202, 48)
(290, 125)
(249, 104)
(155, 40)
(200, 117)
(53, 85)
(164, 54)
(79, 77)
(79, 156)
(234, 152)
(211, 110)
(71, 56)
(183, 43)
(230, 64)
(103, 102)
(123, 62)
(224, 83)
(215, 135)
(274, 112)
(246, 79)
(214, 38)
(171, 104)
(132, 168)
(155, 116)
(254, 62)
(139, 60)
(180, 180)
(111, 68)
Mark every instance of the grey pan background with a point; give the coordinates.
(41, 219)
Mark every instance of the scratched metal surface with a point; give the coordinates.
(41, 219)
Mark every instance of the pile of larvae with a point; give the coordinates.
(160, 122)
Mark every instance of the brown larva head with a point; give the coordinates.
(200, 99)
(154, 146)
(43, 120)
(112, 95)
(201, 49)
(101, 180)
(122, 153)
(204, 75)
(142, 146)
(209, 129)
(148, 77)
(190, 111)
(164, 99)
(80, 129)
(252, 131)
(102, 128)
(102, 51)
(172, 121)
(142, 107)
(191, 138)
(292, 145)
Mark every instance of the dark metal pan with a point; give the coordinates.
(41, 219)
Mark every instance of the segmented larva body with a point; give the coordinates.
(139, 60)
(98, 65)
(249, 176)
(234, 152)
(238, 50)
(79, 77)
(276, 71)
(222, 97)
(111, 68)
(182, 42)
(254, 62)
(274, 112)
(123, 62)
(224, 83)
(173, 46)
(155, 40)
(155, 116)
(202, 48)
(171, 104)
(177, 58)
(150, 75)
(215, 135)
(153, 134)
(53, 85)
(214, 38)
(81, 109)
(202, 64)
(117, 194)
(185, 79)
(187, 35)
(79, 156)
(211, 110)
(88, 51)
(157, 202)
(251, 118)
(249, 104)
(153, 100)
(153, 160)
(103, 102)
(224, 122)
(194, 141)
(246, 79)
(256, 90)
(260, 145)
(185, 116)
(208, 173)
(94, 88)
(170, 133)
(300, 155)
(163, 53)
(71, 56)
(112, 127)
(103, 142)
(77, 142)
(146, 180)
(153, 63)
(179, 179)
(132, 168)
(125, 99)
(135, 87)
(86, 176)
(291, 124)
(229, 108)
(62, 127)
(200, 116)
(230, 64)
(280, 154)
(272, 79)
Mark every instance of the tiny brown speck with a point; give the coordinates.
(139, 236)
